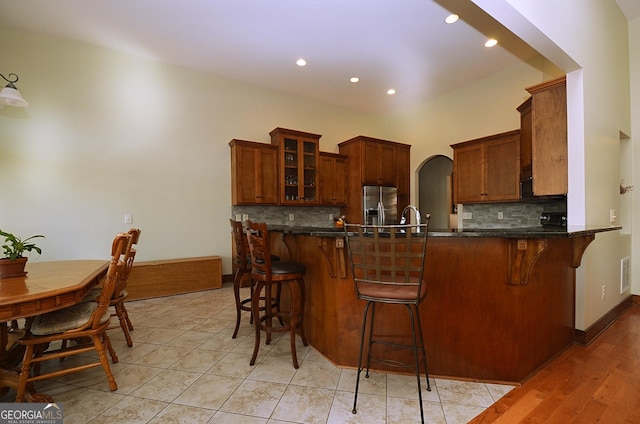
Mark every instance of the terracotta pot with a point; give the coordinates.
(15, 268)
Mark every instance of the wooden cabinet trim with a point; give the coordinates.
(294, 133)
(546, 85)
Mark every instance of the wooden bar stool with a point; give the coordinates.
(242, 265)
(267, 273)
(387, 262)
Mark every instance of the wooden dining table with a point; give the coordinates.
(47, 286)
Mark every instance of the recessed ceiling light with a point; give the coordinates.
(452, 19)
(491, 42)
(391, 91)
(301, 62)
(354, 79)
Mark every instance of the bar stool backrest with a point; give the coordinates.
(241, 257)
(387, 261)
(258, 240)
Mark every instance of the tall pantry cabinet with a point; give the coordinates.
(544, 151)
(374, 161)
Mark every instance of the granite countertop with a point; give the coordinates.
(523, 232)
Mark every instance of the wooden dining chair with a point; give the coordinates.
(83, 325)
(120, 293)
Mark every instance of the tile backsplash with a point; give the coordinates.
(483, 215)
(514, 215)
(307, 216)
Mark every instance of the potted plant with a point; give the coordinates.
(13, 262)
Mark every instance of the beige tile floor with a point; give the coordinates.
(184, 367)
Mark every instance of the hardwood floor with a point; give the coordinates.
(597, 383)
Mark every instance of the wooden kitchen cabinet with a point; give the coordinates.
(253, 173)
(487, 169)
(374, 161)
(403, 175)
(298, 154)
(333, 179)
(379, 165)
(544, 138)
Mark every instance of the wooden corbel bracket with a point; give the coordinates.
(333, 251)
(523, 255)
(578, 246)
(286, 241)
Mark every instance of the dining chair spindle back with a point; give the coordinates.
(83, 325)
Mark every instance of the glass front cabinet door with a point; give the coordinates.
(298, 173)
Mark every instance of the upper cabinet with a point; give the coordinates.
(333, 179)
(487, 169)
(544, 138)
(528, 162)
(253, 173)
(298, 158)
(379, 165)
(374, 161)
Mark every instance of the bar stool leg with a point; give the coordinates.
(371, 325)
(293, 319)
(237, 278)
(416, 360)
(268, 311)
(255, 312)
(422, 348)
(303, 295)
(362, 333)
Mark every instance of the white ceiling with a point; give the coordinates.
(630, 8)
(400, 44)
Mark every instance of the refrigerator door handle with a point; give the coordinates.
(381, 218)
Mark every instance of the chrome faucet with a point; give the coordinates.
(416, 212)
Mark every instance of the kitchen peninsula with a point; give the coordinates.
(500, 302)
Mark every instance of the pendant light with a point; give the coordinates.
(10, 95)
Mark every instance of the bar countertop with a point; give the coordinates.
(520, 233)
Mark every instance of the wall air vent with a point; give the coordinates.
(624, 275)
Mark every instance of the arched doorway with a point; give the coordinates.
(435, 190)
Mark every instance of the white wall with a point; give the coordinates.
(108, 134)
(634, 60)
(485, 107)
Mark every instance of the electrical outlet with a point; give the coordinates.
(291, 217)
(330, 217)
(245, 217)
(128, 219)
(500, 215)
(238, 217)
(467, 215)
(604, 291)
(612, 216)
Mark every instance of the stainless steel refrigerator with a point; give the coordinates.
(380, 205)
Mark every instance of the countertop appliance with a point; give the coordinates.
(553, 219)
(380, 205)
